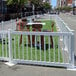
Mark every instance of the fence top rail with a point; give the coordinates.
(42, 33)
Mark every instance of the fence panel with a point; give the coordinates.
(41, 48)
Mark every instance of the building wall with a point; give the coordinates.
(62, 3)
(69, 2)
(58, 3)
(74, 2)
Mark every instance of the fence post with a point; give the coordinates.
(10, 45)
(72, 47)
(72, 67)
(10, 63)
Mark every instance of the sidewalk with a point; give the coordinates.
(31, 70)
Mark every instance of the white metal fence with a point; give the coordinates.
(37, 48)
(37, 53)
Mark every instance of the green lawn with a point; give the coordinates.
(33, 53)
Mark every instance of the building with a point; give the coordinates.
(58, 3)
(69, 2)
(62, 3)
(74, 2)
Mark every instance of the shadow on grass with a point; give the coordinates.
(42, 46)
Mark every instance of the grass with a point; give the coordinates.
(30, 52)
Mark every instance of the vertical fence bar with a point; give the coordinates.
(27, 46)
(69, 42)
(40, 46)
(58, 50)
(15, 48)
(2, 46)
(35, 49)
(44, 49)
(72, 50)
(54, 48)
(69, 49)
(49, 49)
(23, 47)
(63, 49)
(10, 46)
(31, 47)
(19, 47)
(6, 45)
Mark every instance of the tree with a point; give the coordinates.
(36, 2)
(65, 8)
(47, 6)
(16, 5)
(20, 2)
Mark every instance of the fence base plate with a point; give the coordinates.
(72, 69)
(10, 63)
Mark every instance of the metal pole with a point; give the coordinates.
(10, 46)
(72, 49)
